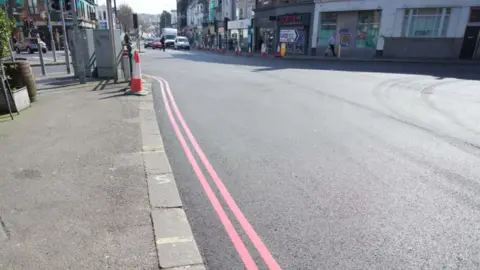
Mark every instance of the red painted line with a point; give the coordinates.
(257, 242)
(232, 233)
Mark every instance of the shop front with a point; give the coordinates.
(265, 33)
(356, 32)
(294, 32)
(292, 21)
(238, 33)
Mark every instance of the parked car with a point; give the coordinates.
(148, 43)
(30, 45)
(157, 44)
(181, 43)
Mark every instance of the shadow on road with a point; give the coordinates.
(440, 71)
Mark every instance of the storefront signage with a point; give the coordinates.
(302, 19)
(288, 35)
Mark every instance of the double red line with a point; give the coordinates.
(169, 102)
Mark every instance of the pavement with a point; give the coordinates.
(323, 165)
(86, 184)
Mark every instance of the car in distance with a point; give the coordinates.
(157, 44)
(148, 43)
(181, 43)
(30, 45)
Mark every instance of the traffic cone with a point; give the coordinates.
(239, 50)
(250, 51)
(264, 50)
(278, 54)
(136, 85)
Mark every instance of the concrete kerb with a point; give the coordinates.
(176, 246)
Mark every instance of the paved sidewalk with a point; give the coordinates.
(73, 187)
(350, 59)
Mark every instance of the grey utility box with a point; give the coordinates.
(85, 44)
(103, 47)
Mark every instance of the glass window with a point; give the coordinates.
(33, 6)
(368, 29)
(328, 27)
(474, 15)
(426, 22)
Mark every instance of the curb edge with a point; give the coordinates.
(174, 241)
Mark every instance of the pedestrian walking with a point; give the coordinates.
(331, 45)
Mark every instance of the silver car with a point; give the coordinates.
(30, 45)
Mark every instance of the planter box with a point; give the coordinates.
(20, 101)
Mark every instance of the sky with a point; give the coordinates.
(146, 6)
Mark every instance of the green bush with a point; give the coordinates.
(6, 28)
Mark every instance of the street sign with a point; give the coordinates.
(288, 35)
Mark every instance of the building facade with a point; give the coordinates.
(440, 29)
(197, 22)
(37, 11)
(174, 18)
(277, 19)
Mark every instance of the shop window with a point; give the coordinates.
(426, 22)
(328, 27)
(474, 15)
(368, 29)
(33, 6)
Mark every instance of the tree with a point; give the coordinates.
(125, 16)
(165, 19)
(6, 27)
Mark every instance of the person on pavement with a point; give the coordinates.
(331, 45)
(162, 40)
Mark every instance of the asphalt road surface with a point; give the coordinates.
(333, 165)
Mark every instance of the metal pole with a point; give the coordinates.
(9, 8)
(78, 49)
(112, 36)
(52, 40)
(138, 38)
(42, 63)
(65, 42)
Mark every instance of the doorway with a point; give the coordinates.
(470, 42)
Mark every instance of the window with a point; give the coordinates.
(328, 27)
(368, 29)
(33, 6)
(426, 22)
(474, 15)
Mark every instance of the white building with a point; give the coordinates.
(399, 29)
(174, 18)
(239, 14)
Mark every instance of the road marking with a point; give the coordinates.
(162, 179)
(173, 240)
(229, 228)
(247, 227)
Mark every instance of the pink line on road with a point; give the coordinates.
(232, 233)
(247, 227)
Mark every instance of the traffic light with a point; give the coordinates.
(135, 20)
(55, 5)
(31, 24)
(68, 5)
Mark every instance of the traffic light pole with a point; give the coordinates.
(65, 42)
(111, 27)
(78, 49)
(52, 40)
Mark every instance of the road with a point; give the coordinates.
(334, 165)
